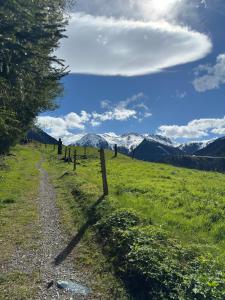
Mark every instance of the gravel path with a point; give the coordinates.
(46, 243)
(53, 241)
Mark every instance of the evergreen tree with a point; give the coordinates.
(30, 73)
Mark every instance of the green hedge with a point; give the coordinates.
(156, 266)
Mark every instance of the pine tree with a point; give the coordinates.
(30, 73)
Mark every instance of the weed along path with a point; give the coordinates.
(58, 281)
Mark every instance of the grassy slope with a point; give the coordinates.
(19, 179)
(188, 204)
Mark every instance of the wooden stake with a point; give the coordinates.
(69, 156)
(85, 152)
(60, 147)
(65, 156)
(75, 160)
(133, 152)
(116, 150)
(104, 174)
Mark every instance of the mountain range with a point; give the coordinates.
(125, 142)
(148, 147)
(191, 148)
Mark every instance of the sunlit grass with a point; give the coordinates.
(190, 204)
(19, 181)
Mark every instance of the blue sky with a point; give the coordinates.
(134, 73)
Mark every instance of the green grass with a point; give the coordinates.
(19, 181)
(188, 205)
(161, 228)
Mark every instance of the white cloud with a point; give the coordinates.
(180, 95)
(214, 75)
(130, 37)
(59, 127)
(132, 107)
(105, 104)
(194, 129)
(115, 114)
(62, 127)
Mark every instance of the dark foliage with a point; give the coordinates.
(29, 70)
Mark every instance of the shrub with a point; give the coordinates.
(154, 265)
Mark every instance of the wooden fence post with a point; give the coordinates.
(75, 160)
(116, 150)
(133, 152)
(60, 147)
(65, 156)
(104, 174)
(69, 156)
(85, 152)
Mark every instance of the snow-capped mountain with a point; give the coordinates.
(125, 142)
(151, 150)
(92, 140)
(215, 148)
(158, 138)
(192, 147)
(132, 140)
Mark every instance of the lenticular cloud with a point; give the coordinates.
(129, 44)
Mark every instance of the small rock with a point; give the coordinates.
(73, 287)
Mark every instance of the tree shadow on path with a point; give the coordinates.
(77, 238)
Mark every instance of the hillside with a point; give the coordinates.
(161, 226)
(154, 151)
(216, 148)
(36, 134)
(207, 163)
(191, 148)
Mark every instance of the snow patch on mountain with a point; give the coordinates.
(92, 140)
(128, 141)
(194, 146)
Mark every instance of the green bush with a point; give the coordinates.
(154, 265)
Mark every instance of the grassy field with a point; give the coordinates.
(160, 233)
(19, 180)
(156, 214)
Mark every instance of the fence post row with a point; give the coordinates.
(104, 174)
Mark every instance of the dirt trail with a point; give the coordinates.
(53, 241)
